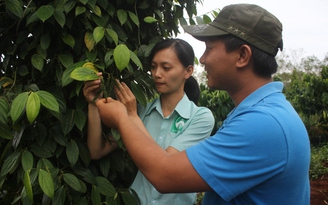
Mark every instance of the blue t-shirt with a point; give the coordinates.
(260, 155)
(187, 125)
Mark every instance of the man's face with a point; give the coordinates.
(219, 65)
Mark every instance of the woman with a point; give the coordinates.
(172, 120)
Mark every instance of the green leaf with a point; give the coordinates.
(45, 12)
(83, 187)
(84, 153)
(134, 18)
(48, 100)
(98, 33)
(15, 6)
(41, 151)
(72, 181)
(199, 20)
(46, 183)
(27, 160)
(32, 18)
(109, 57)
(183, 21)
(207, 19)
(60, 196)
(89, 41)
(95, 195)
(84, 1)
(28, 185)
(128, 198)
(66, 78)
(37, 61)
(45, 41)
(69, 40)
(72, 152)
(139, 93)
(122, 16)
(96, 10)
(67, 121)
(5, 132)
(79, 10)
(18, 106)
(86, 174)
(4, 110)
(116, 134)
(66, 60)
(83, 201)
(80, 119)
(10, 163)
(104, 165)
(113, 35)
(135, 59)
(121, 56)
(149, 19)
(84, 74)
(105, 187)
(60, 18)
(32, 107)
(44, 164)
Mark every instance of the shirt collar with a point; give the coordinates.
(182, 108)
(258, 95)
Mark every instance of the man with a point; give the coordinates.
(261, 153)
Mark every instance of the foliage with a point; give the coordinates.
(219, 102)
(319, 161)
(44, 157)
(308, 93)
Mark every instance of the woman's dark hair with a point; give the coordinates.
(186, 56)
(264, 64)
(182, 49)
(192, 89)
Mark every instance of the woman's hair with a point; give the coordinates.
(192, 89)
(182, 49)
(264, 64)
(186, 56)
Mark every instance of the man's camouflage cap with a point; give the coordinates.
(249, 22)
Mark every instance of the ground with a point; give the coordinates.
(319, 191)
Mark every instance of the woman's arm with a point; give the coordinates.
(97, 144)
(125, 96)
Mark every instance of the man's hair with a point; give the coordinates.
(264, 64)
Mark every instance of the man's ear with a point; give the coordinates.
(245, 55)
(189, 71)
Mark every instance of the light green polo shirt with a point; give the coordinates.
(187, 125)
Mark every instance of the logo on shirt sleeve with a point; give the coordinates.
(178, 124)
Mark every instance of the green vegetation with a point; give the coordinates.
(319, 161)
(43, 154)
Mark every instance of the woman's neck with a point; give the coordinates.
(170, 101)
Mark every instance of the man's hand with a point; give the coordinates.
(112, 112)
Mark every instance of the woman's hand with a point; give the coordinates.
(125, 96)
(91, 89)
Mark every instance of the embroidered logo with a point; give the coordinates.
(178, 124)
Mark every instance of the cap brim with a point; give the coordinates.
(202, 31)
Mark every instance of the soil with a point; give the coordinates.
(319, 191)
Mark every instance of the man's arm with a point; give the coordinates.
(167, 172)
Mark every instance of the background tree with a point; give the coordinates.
(43, 154)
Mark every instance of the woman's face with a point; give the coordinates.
(168, 73)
